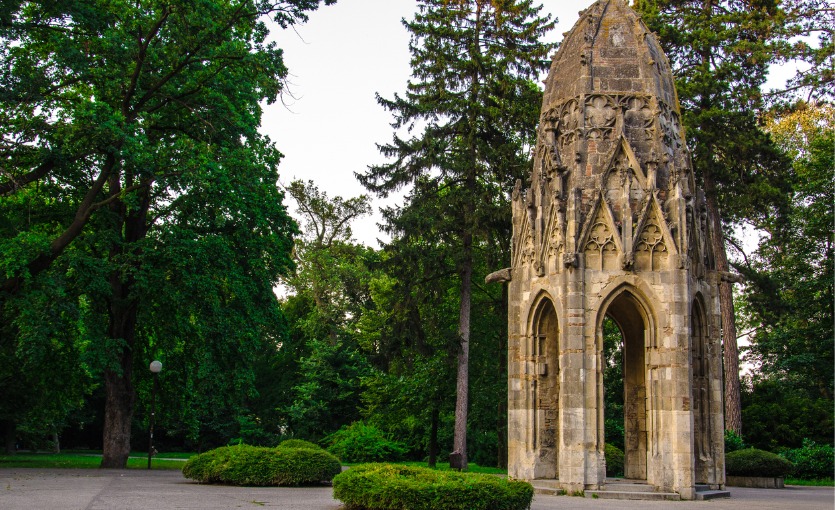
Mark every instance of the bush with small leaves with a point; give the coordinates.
(395, 487)
(733, 442)
(754, 462)
(259, 466)
(812, 461)
(359, 442)
(614, 460)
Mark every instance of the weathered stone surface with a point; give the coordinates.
(611, 224)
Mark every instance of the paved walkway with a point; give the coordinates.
(93, 489)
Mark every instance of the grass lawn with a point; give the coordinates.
(89, 460)
(825, 482)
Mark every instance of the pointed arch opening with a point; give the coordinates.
(701, 392)
(544, 351)
(627, 313)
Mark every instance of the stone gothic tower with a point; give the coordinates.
(612, 225)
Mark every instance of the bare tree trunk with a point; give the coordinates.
(733, 404)
(462, 381)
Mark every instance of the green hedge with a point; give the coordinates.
(359, 442)
(614, 460)
(299, 443)
(259, 466)
(396, 487)
(753, 462)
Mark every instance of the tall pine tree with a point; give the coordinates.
(474, 107)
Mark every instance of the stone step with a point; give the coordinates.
(628, 487)
(547, 491)
(633, 495)
(546, 487)
(544, 482)
(706, 494)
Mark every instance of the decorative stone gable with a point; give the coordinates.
(611, 224)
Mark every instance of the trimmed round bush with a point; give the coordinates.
(614, 460)
(299, 443)
(259, 466)
(754, 462)
(396, 487)
(359, 442)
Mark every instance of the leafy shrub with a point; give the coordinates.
(754, 462)
(253, 432)
(299, 443)
(359, 442)
(395, 487)
(259, 466)
(733, 442)
(614, 460)
(812, 460)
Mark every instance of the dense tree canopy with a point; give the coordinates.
(789, 299)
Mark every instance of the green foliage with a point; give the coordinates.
(613, 383)
(331, 287)
(359, 442)
(807, 35)
(777, 413)
(789, 295)
(259, 466)
(811, 461)
(754, 462)
(393, 487)
(614, 460)
(733, 442)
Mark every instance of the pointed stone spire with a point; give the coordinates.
(610, 226)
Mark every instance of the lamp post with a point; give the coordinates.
(155, 367)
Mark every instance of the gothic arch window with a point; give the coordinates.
(544, 355)
(701, 391)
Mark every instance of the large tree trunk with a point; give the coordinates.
(124, 308)
(733, 405)
(462, 381)
(118, 383)
(118, 415)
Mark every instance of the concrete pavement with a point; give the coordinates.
(94, 489)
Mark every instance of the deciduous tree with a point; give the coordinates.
(125, 112)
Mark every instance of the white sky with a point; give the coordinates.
(338, 61)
